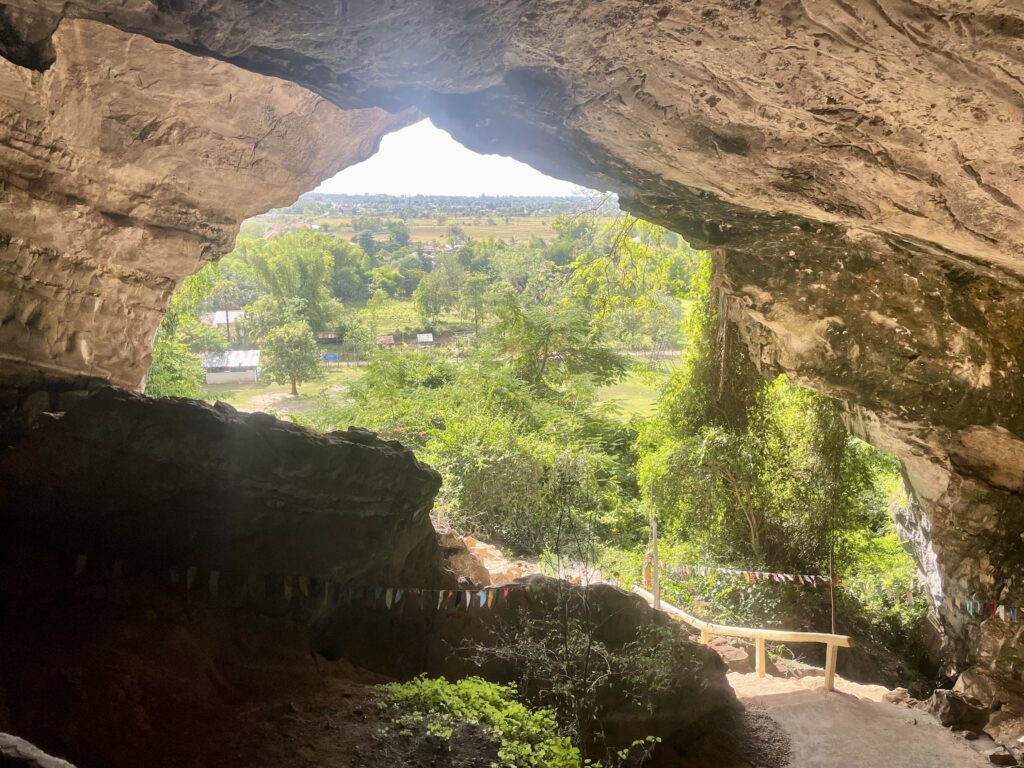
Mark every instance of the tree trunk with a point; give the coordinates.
(295, 389)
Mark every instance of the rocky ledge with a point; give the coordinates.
(173, 483)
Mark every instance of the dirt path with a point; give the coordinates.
(851, 727)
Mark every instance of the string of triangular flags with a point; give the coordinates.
(909, 594)
(333, 591)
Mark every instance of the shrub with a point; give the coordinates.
(527, 738)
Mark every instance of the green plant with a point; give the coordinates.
(290, 354)
(527, 738)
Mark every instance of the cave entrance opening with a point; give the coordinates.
(556, 359)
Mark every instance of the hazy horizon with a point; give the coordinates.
(422, 159)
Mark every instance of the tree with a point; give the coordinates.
(472, 299)
(175, 370)
(364, 239)
(374, 309)
(269, 312)
(432, 296)
(398, 234)
(348, 274)
(385, 278)
(299, 265)
(545, 343)
(290, 354)
(756, 472)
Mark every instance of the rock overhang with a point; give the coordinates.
(857, 169)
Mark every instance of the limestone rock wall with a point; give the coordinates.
(127, 165)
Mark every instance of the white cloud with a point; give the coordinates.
(423, 159)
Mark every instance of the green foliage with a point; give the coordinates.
(629, 278)
(527, 738)
(348, 272)
(298, 266)
(289, 354)
(548, 343)
(758, 473)
(439, 289)
(473, 299)
(176, 370)
(512, 462)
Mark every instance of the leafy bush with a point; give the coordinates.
(527, 738)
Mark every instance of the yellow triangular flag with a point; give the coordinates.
(214, 582)
(304, 585)
(190, 576)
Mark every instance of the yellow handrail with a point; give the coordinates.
(708, 628)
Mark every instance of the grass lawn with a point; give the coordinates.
(278, 397)
(633, 395)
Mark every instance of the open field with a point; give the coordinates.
(400, 317)
(633, 395)
(425, 230)
(515, 228)
(278, 397)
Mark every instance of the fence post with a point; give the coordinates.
(830, 666)
(656, 575)
(762, 664)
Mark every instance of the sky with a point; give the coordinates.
(423, 159)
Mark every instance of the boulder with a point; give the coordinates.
(897, 696)
(955, 710)
(736, 657)
(463, 563)
(18, 753)
(1000, 756)
(172, 483)
(1002, 695)
(740, 656)
(461, 637)
(500, 568)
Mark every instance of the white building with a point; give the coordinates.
(223, 318)
(238, 366)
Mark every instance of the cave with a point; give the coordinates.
(855, 168)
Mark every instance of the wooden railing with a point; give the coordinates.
(832, 643)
